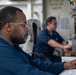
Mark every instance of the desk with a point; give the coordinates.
(68, 72)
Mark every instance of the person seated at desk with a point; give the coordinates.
(13, 60)
(49, 39)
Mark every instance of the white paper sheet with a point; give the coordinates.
(69, 72)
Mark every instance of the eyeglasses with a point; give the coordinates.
(24, 25)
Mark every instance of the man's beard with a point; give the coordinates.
(19, 40)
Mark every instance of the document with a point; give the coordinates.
(68, 72)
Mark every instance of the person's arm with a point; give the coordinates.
(54, 67)
(48, 40)
(58, 45)
(64, 43)
(49, 66)
(55, 44)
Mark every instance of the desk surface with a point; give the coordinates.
(69, 72)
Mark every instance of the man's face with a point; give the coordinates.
(20, 30)
(53, 25)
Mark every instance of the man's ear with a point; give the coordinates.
(8, 27)
(48, 23)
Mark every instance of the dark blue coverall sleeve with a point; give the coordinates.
(12, 65)
(49, 66)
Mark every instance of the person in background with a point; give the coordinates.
(13, 60)
(49, 39)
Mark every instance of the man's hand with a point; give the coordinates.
(70, 65)
(67, 48)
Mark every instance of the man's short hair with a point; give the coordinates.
(8, 14)
(49, 19)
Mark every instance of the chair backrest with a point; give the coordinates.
(35, 27)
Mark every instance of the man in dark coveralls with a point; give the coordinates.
(48, 39)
